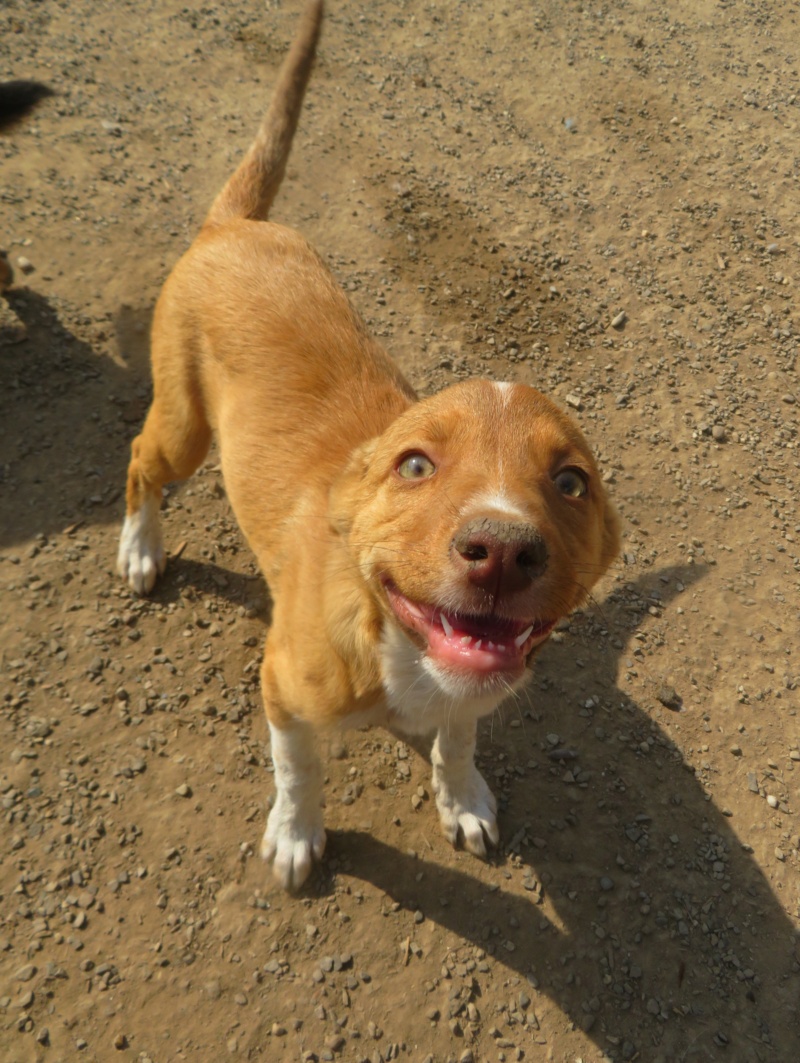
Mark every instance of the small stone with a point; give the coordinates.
(620, 319)
(25, 264)
(669, 697)
(184, 790)
(736, 750)
(718, 433)
(772, 801)
(278, 1030)
(120, 1041)
(606, 883)
(24, 974)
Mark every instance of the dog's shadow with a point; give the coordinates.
(67, 413)
(642, 932)
(209, 578)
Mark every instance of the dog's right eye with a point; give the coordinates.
(416, 466)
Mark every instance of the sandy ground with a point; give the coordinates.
(494, 184)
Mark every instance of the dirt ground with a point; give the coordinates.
(494, 184)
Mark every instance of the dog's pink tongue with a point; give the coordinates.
(471, 654)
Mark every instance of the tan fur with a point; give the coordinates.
(253, 340)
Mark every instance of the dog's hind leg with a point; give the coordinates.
(174, 441)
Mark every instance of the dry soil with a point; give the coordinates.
(596, 198)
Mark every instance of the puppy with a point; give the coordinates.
(418, 553)
(17, 98)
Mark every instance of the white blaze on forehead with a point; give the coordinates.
(496, 499)
(505, 388)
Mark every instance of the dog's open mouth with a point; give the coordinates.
(475, 643)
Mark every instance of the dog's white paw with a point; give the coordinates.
(293, 840)
(141, 557)
(467, 808)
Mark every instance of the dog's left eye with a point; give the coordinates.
(571, 482)
(416, 466)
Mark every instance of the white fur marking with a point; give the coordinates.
(141, 557)
(295, 835)
(467, 807)
(421, 695)
(504, 387)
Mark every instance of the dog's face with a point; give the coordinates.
(479, 520)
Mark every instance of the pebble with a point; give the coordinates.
(669, 697)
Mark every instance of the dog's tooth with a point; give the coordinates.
(448, 627)
(490, 646)
(518, 641)
(466, 640)
(478, 644)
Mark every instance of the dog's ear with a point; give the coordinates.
(347, 490)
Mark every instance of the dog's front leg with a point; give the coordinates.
(467, 808)
(295, 835)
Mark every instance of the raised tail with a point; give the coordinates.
(252, 188)
(17, 98)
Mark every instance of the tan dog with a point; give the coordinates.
(418, 552)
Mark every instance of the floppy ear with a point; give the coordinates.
(346, 493)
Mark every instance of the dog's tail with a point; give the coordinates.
(17, 98)
(252, 188)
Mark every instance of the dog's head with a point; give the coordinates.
(479, 520)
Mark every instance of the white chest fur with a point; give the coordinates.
(421, 696)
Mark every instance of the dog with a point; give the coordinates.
(418, 552)
(17, 99)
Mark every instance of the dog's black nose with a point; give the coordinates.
(500, 556)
